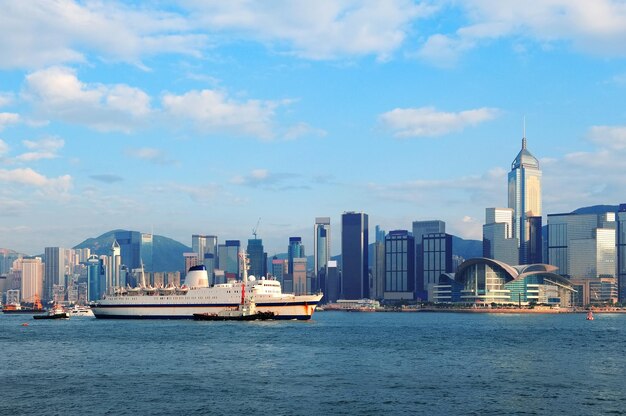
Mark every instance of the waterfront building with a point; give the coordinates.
(113, 266)
(594, 291)
(399, 266)
(54, 271)
(524, 183)
(487, 281)
(96, 278)
(377, 286)
(228, 258)
(3, 285)
(332, 290)
(437, 259)
(211, 264)
(354, 255)
(582, 245)
(294, 250)
(191, 259)
(135, 249)
(379, 234)
(279, 269)
(621, 253)
(257, 258)
(498, 241)
(420, 229)
(32, 270)
(299, 276)
(204, 244)
(321, 250)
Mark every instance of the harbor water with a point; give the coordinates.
(336, 364)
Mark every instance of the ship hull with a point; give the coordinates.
(301, 309)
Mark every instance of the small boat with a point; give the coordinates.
(590, 316)
(81, 311)
(57, 312)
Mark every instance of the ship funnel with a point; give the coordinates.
(197, 276)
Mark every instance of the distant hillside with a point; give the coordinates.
(167, 254)
(467, 248)
(596, 209)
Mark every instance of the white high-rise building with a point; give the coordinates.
(32, 278)
(498, 241)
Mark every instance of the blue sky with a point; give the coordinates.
(202, 116)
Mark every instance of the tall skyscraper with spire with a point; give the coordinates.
(525, 200)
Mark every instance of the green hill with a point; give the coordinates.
(167, 254)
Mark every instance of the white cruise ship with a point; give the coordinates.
(196, 296)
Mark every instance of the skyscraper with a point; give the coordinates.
(421, 228)
(437, 255)
(621, 253)
(54, 270)
(135, 249)
(95, 278)
(525, 199)
(399, 265)
(582, 245)
(228, 258)
(321, 250)
(498, 241)
(354, 255)
(294, 250)
(203, 244)
(32, 278)
(113, 267)
(257, 257)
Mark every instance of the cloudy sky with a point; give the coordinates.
(204, 116)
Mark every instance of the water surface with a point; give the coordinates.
(336, 364)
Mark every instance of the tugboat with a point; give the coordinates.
(17, 307)
(246, 311)
(57, 312)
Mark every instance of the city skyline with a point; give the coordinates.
(181, 119)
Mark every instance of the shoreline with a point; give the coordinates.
(488, 310)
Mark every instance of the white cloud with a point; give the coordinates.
(318, 29)
(29, 177)
(42, 149)
(611, 137)
(428, 122)
(57, 92)
(150, 154)
(6, 98)
(443, 51)
(4, 147)
(273, 181)
(597, 27)
(38, 33)
(8, 118)
(301, 130)
(213, 111)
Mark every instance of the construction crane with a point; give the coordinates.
(256, 227)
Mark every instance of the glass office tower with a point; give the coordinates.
(354, 255)
(525, 199)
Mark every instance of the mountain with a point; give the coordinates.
(466, 248)
(596, 209)
(167, 254)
